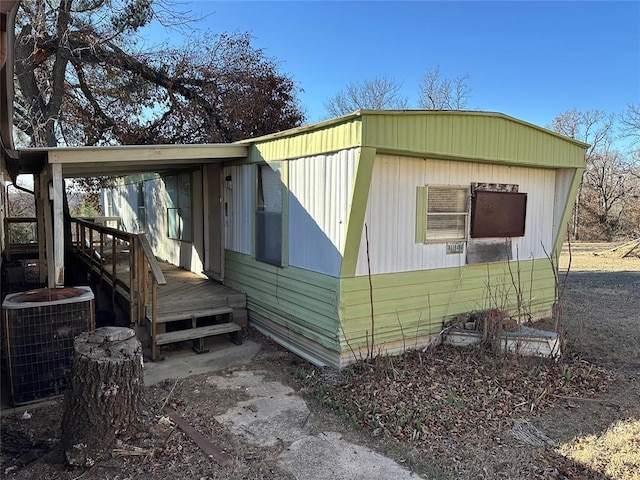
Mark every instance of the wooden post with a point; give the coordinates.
(58, 225)
(41, 204)
(114, 279)
(83, 239)
(154, 326)
(104, 396)
(47, 195)
(132, 280)
(142, 288)
(101, 256)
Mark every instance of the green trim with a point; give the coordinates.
(421, 214)
(359, 200)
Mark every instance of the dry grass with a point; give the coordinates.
(600, 257)
(616, 452)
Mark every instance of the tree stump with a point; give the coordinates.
(103, 400)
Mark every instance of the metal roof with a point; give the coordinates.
(475, 136)
(358, 114)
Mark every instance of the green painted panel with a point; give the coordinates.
(481, 136)
(302, 301)
(478, 136)
(411, 304)
(316, 139)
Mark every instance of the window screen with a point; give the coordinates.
(441, 213)
(446, 213)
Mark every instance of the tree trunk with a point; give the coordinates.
(103, 400)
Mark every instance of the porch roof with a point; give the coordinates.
(126, 159)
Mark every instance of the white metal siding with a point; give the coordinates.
(238, 205)
(320, 192)
(391, 211)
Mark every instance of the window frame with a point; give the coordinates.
(423, 215)
(175, 208)
(261, 213)
(141, 206)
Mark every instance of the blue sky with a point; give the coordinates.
(531, 60)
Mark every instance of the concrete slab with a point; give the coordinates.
(327, 455)
(185, 362)
(275, 415)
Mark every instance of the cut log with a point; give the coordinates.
(103, 400)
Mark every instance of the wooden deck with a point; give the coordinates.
(188, 291)
(173, 303)
(184, 291)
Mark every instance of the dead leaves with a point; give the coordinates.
(445, 394)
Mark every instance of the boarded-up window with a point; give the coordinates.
(498, 214)
(442, 213)
(269, 214)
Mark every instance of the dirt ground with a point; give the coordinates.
(468, 436)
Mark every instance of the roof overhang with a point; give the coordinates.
(79, 162)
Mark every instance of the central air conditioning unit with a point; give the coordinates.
(38, 331)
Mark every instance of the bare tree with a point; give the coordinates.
(630, 120)
(609, 178)
(438, 93)
(380, 93)
(83, 81)
(594, 127)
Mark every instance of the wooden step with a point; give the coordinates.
(195, 333)
(175, 316)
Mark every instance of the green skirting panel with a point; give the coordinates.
(417, 304)
(328, 320)
(298, 300)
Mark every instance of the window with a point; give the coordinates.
(142, 212)
(442, 213)
(269, 214)
(179, 206)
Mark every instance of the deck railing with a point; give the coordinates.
(126, 261)
(22, 234)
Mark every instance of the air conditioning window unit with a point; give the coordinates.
(38, 330)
